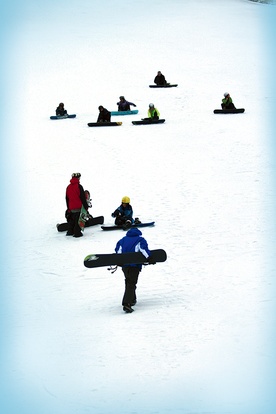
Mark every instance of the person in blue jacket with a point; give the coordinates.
(124, 105)
(123, 214)
(132, 242)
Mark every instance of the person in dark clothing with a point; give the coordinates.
(132, 242)
(75, 199)
(123, 214)
(124, 105)
(227, 102)
(104, 115)
(60, 111)
(160, 79)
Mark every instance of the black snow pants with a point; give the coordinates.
(131, 278)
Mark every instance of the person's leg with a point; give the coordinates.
(131, 278)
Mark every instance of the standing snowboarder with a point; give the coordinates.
(75, 199)
(132, 242)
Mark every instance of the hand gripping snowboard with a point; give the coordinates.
(113, 259)
(90, 222)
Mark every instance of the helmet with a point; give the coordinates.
(76, 175)
(122, 97)
(151, 105)
(225, 94)
(126, 200)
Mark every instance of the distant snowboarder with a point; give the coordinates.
(227, 102)
(160, 79)
(124, 105)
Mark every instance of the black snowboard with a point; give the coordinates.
(229, 111)
(101, 260)
(63, 116)
(168, 85)
(103, 124)
(115, 227)
(146, 122)
(91, 222)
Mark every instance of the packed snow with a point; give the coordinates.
(200, 339)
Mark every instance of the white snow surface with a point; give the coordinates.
(200, 338)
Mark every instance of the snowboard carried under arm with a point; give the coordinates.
(114, 259)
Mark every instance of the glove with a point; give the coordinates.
(116, 214)
(134, 105)
(151, 260)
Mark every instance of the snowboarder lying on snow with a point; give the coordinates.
(60, 111)
(160, 79)
(124, 105)
(132, 242)
(104, 115)
(227, 102)
(123, 214)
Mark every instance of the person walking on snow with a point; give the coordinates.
(132, 242)
(75, 199)
(124, 105)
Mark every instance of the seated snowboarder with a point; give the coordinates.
(153, 113)
(160, 79)
(123, 214)
(124, 105)
(60, 111)
(227, 102)
(104, 115)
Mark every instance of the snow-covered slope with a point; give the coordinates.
(199, 339)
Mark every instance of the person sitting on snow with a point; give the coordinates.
(153, 113)
(104, 115)
(124, 105)
(60, 111)
(123, 214)
(159, 79)
(227, 102)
